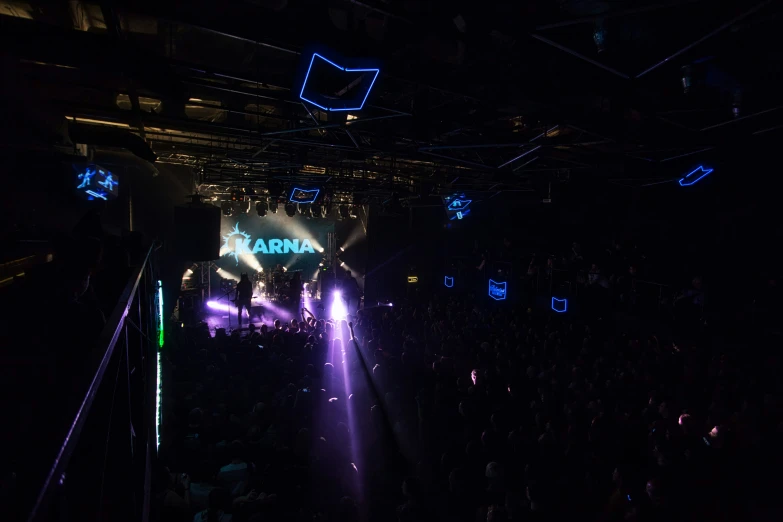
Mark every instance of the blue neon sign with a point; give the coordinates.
(448, 281)
(559, 305)
(698, 174)
(299, 195)
(497, 291)
(238, 243)
(459, 204)
(326, 103)
(459, 215)
(95, 182)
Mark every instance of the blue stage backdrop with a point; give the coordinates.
(251, 242)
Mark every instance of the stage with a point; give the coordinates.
(263, 311)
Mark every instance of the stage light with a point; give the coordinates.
(226, 207)
(261, 208)
(304, 209)
(260, 269)
(218, 269)
(273, 205)
(241, 207)
(338, 310)
(321, 263)
(285, 269)
(290, 209)
(342, 249)
(342, 263)
(317, 210)
(344, 212)
(354, 213)
(321, 250)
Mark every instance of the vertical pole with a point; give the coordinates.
(130, 210)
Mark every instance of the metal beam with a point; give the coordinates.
(735, 120)
(520, 156)
(471, 163)
(579, 55)
(525, 164)
(614, 14)
(332, 125)
(687, 154)
(481, 146)
(352, 138)
(115, 32)
(705, 37)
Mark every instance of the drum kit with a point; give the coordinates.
(279, 285)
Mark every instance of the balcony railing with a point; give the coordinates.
(102, 470)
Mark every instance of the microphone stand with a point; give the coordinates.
(229, 306)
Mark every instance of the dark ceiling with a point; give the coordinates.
(472, 96)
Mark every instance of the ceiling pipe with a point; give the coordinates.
(705, 37)
(509, 162)
(614, 14)
(579, 55)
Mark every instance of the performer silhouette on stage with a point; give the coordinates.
(243, 296)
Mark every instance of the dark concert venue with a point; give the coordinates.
(391, 261)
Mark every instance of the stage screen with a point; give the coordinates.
(251, 242)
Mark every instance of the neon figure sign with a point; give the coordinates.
(497, 291)
(241, 245)
(96, 183)
(460, 204)
(448, 281)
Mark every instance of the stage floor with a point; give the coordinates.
(216, 313)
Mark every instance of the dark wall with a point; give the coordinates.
(407, 243)
(726, 228)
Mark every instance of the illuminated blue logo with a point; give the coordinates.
(299, 195)
(85, 178)
(238, 236)
(327, 103)
(459, 215)
(99, 195)
(695, 176)
(109, 182)
(559, 305)
(459, 204)
(237, 243)
(497, 291)
(448, 281)
(96, 183)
